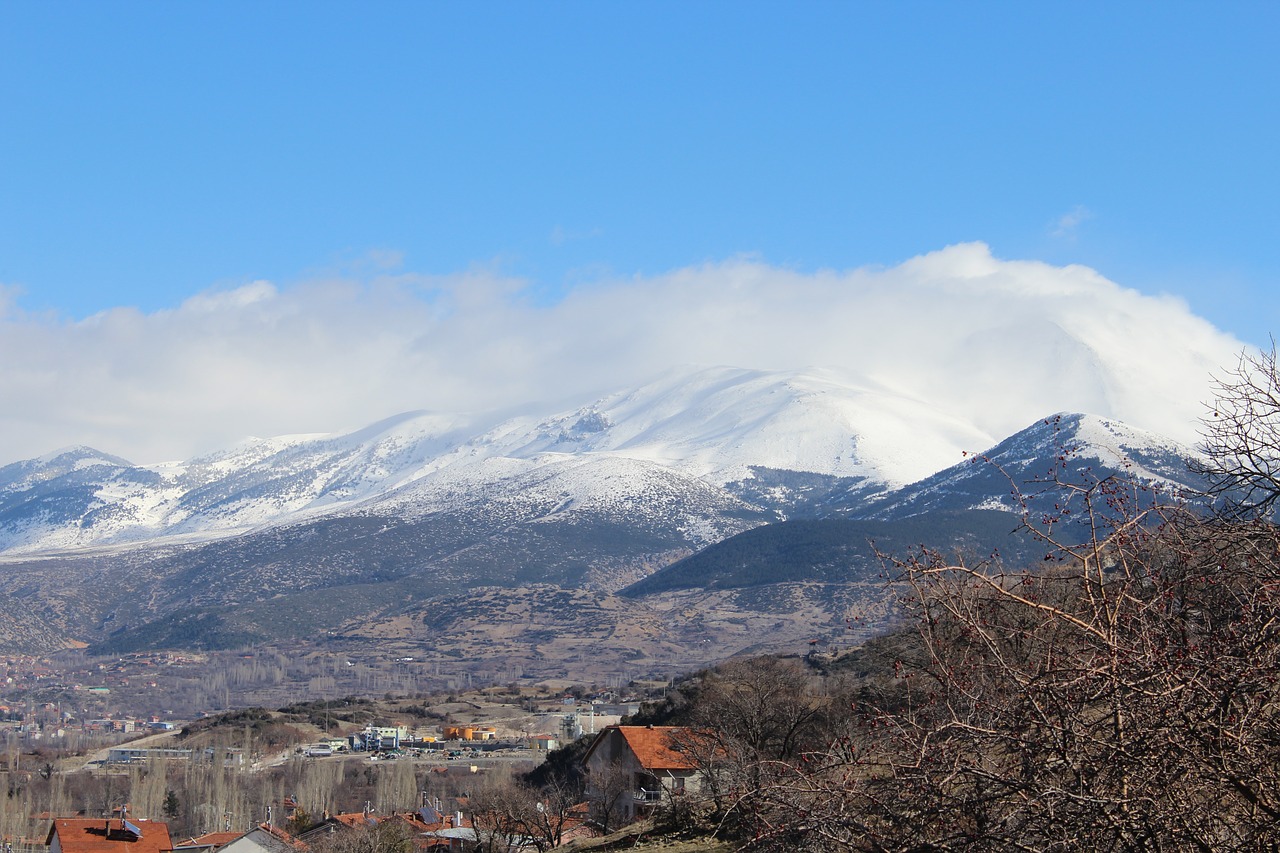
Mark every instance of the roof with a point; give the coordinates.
(267, 837)
(103, 835)
(354, 819)
(211, 839)
(466, 833)
(651, 746)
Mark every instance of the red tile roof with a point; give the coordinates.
(281, 836)
(100, 835)
(652, 747)
(354, 819)
(211, 839)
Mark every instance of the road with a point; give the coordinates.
(158, 740)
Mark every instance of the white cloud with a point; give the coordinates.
(1066, 225)
(999, 343)
(240, 297)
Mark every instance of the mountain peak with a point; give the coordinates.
(1065, 445)
(719, 428)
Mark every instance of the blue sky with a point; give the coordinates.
(155, 151)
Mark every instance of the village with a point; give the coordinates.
(630, 771)
(62, 711)
(446, 753)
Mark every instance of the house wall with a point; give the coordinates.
(612, 751)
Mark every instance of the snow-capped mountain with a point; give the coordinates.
(976, 505)
(720, 423)
(709, 427)
(1066, 447)
(367, 525)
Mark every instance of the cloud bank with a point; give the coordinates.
(999, 343)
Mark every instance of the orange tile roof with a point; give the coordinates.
(211, 839)
(100, 835)
(354, 819)
(282, 836)
(415, 821)
(652, 747)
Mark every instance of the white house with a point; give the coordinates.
(645, 759)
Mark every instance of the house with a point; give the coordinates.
(107, 835)
(630, 768)
(543, 742)
(427, 828)
(433, 831)
(263, 839)
(206, 843)
(334, 823)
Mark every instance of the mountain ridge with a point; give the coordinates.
(303, 537)
(717, 425)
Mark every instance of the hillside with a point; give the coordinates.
(836, 550)
(664, 494)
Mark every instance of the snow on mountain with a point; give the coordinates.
(256, 483)
(719, 423)
(1071, 447)
(671, 445)
(59, 463)
(43, 501)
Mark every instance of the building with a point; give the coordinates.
(643, 762)
(107, 835)
(544, 742)
(206, 843)
(469, 732)
(427, 827)
(141, 755)
(383, 737)
(263, 839)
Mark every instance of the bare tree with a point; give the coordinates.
(1124, 699)
(554, 812)
(387, 836)
(767, 706)
(499, 814)
(607, 788)
(397, 787)
(1241, 436)
(147, 787)
(746, 713)
(725, 769)
(509, 815)
(318, 784)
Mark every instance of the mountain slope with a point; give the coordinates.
(834, 551)
(715, 425)
(976, 507)
(1022, 471)
(297, 538)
